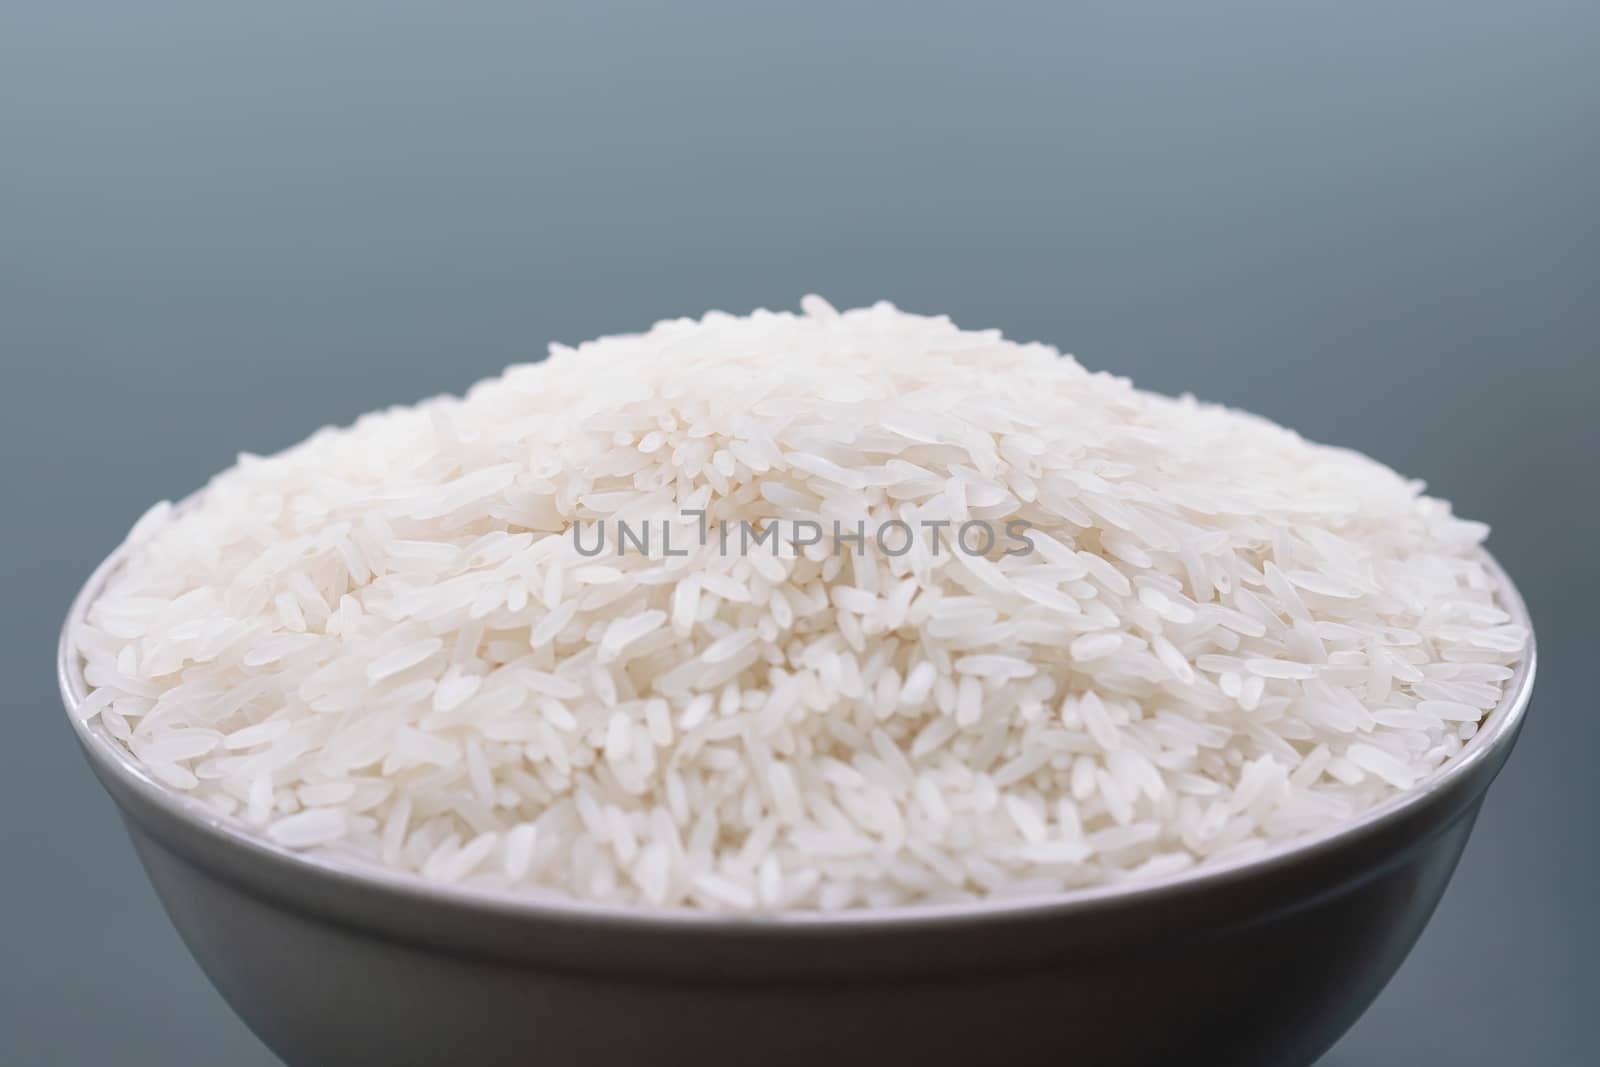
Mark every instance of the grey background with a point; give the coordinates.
(223, 225)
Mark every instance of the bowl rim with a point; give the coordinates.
(115, 764)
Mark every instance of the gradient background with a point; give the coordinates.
(224, 225)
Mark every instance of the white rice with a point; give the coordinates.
(386, 643)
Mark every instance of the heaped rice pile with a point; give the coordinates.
(421, 640)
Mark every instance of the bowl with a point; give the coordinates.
(1263, 961)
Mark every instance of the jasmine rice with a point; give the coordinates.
(797, 612)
